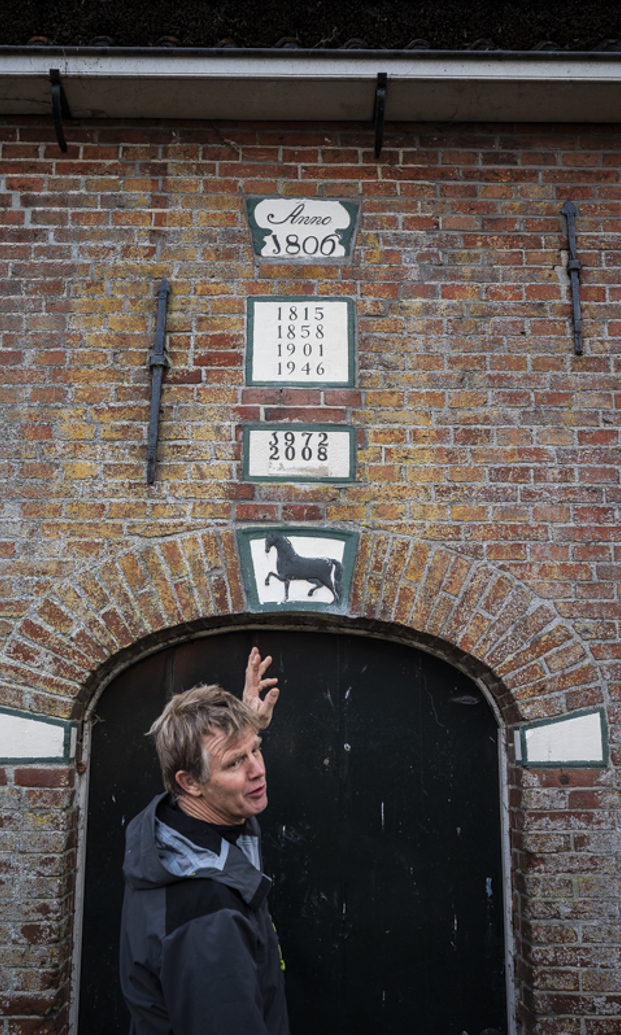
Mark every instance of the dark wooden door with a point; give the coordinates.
(382, 833)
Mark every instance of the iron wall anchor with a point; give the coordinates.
(60, 108)
(158, 362)
(379, 111)
(569, 210)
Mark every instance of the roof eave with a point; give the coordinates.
(457, 86)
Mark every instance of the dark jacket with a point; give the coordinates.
(199, 953)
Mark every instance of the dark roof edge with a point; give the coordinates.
(286, 53)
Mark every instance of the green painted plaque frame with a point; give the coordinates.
(68, 726)
(346, 235)
(564, 763)
(245, 536)
(302, 300)
(288, 426)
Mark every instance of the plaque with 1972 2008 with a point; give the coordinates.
(299, 452)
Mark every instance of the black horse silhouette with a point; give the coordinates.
(290, 567)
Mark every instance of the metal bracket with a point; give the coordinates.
(379, 111)
(569, 210)
(60, 108)
(158, 362)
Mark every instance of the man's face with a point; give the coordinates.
(236, 788)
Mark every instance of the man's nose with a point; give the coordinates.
(257, 767)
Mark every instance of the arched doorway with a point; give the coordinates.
(382, 834)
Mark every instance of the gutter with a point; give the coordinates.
(283, 84)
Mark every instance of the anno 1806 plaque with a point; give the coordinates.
(306, 230)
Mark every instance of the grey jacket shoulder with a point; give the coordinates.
(156, 855)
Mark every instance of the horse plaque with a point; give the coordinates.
(299, 452)
(297, 568)
(300, 340)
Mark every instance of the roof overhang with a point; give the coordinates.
(314, 84)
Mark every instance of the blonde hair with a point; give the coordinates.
(189, 716)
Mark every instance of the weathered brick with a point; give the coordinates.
(487, 486)
(44, 777)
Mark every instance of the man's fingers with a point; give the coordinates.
(265, 664)
(268, 706)
(255, 685)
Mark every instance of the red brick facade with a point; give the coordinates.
(487, 494)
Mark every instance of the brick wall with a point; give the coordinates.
(487, 497)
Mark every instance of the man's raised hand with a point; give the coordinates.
(255, 684)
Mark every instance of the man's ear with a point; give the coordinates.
(188, 784)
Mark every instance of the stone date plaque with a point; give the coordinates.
(307, 230)
(300, 340)
(299, 452)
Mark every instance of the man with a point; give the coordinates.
(199, 953)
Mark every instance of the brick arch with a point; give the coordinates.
(534, 661)
(464, 608)
(493, 626)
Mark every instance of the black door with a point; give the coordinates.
(382, 834)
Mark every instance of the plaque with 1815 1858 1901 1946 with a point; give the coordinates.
(301, 340)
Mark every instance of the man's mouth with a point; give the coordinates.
(258, 792)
